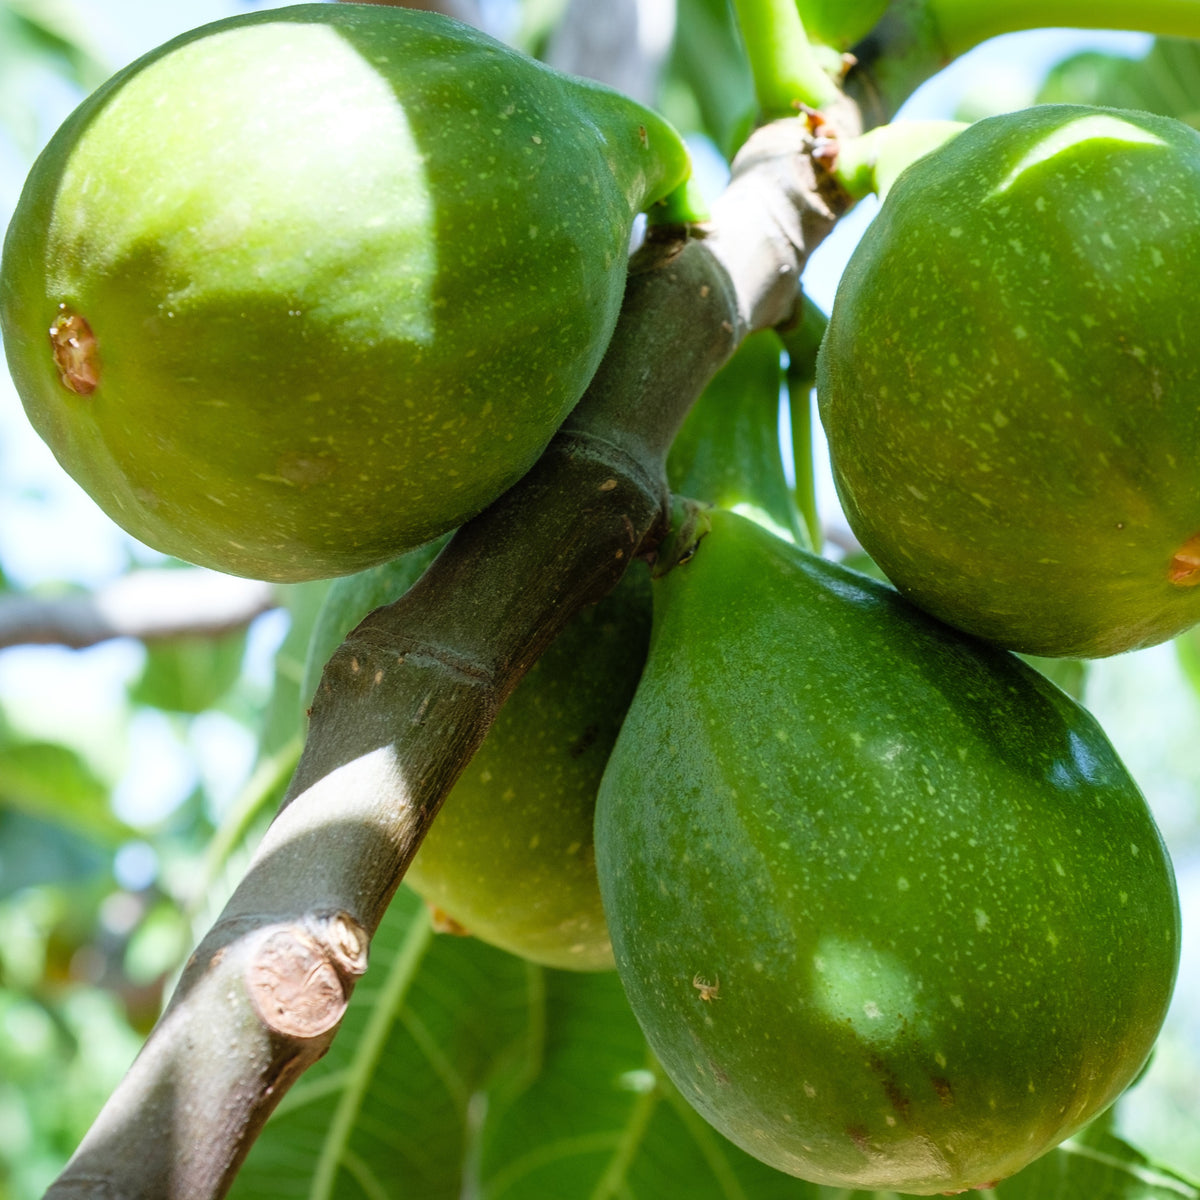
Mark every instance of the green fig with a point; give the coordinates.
(509, 858)
(304, 288)
(887, 905)
(1010, 382)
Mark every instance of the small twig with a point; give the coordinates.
(150, 605)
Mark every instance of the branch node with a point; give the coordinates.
(300, 977)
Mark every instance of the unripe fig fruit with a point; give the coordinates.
(509, 858)
(888, 907)
(304, 288)
(1010, 382)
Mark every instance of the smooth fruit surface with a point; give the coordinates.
(1010, 382)
(887, 905)
(305, 288)
(510, 857)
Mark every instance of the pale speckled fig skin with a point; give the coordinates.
(510, 857)
(347, 267)
(885, 902)
(1010, 382)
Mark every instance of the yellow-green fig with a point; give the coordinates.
(304, 288)
(510, 857)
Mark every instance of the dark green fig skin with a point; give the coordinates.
(323, 280)
(509, 858)
(1010, 382)
(887, 905)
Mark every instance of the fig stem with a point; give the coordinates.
(872, 161)
(787, 71)
(802, 344)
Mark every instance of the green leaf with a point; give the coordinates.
(390, 1110)
(728, 452)
(596, 1119)
(1187, 647)
(710, 72)
(189, 674)
(283, 720)
(53, 783)
(1166, 80)
(40, 36)
(1097, 1164)
(56, 33)
(35, 852)
(1070, 674)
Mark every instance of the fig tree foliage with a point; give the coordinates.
(304, 292)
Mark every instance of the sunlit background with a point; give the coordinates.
(53, 537)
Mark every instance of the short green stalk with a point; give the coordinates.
(787, 71)
(802, 344)
(873, 161)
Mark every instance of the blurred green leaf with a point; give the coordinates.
(1187, 647)
(283, 720)
(189, 674)
(159, 944)
(1095, 1165)
(41, 36)
(709, 72)
(35, 852)
(1070, 674)
(53, 783)
(1166, 80)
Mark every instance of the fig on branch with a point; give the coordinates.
(304, 288)
(510, 857)
(1010, 382)
(887, 905)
